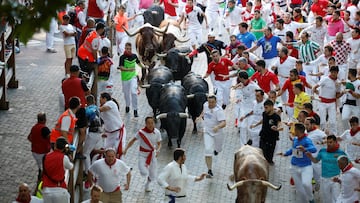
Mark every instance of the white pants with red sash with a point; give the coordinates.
(116, 139)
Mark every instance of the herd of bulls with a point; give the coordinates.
(156, 39)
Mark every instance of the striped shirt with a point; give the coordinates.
(307, 50)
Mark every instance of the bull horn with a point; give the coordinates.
(237, 184)
(268, 184)
(145, 86)
(162, 115)
(161, 55)
(182, 41)
(183, 115)
(160, 30)
(190, 96)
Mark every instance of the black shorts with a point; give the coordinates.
(82, 120)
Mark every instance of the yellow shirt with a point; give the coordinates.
(299, 101)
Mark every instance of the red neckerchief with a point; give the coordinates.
(348, 167)
(283, 59)
(334, 21)
(127, 53)
(257, 8)
(188, 9)
(27, 200)
(358, 37)
(332, 78)
(147, 130)
(268, 38)
(298, 18)
(337, 146)
(353, 133)
(110, 164)
(312, 129)
(312, 114)
(287, 23)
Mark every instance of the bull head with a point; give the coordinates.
(164, 115)
(263, 182)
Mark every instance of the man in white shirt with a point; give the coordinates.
(354, 56)
(69, 34)
(150, 144)
(108, 173)
(255, 116)
(25, 196)
(212, 14)
(214, 121)
(232, 17)
(317, 31)
(352, 139)
(113, 125)
(175, 176)
(351, 106)
(95, 195)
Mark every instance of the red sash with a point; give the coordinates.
(150, 151)
(121, 134)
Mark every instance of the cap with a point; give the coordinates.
(74, 68)
(232, 1)
(211, 34)
(61, 143)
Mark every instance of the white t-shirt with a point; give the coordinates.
(154, 138)
(247, 94)
(328, 88)
(192, 18)
(69, 40)
(317, 137)
(108, 178)
(351, 150)
(111, 117)
(284, 68)
(349, 181)
(213, 117)
(355, 46)
(66, 122)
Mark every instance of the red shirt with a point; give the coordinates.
(39, 138)
(170, 9)
(265, 80)
(222, 67)
(320, 8)
(288, 85)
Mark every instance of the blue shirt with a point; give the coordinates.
(298, 157)
(247, 38)
(269, 46)
(91, 112)
(302, 73)
(329, 166)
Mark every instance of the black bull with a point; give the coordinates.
(172, 111)
(178, 62)
(154, 15)
(196, 89)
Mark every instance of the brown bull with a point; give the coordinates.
(173, 33)
(147, 44)
(251, 174)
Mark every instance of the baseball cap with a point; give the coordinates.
(211, 34)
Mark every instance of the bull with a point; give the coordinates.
(154, 15)
(196, 89)
(157, 77)
(251, 173)
(178, 61)
(172, 112)
(147, 44)
(173, 33)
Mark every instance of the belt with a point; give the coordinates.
(326, 100)
(350, 102)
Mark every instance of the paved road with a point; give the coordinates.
(39, 76)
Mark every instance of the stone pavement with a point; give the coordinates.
(39, 76)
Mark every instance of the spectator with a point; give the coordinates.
(108, 173)
(24, 195)
(95, 195)
(55, 164)
(105, 68)
(40, 141)
(69, 34)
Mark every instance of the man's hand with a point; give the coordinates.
(215, 129)
(175, 189)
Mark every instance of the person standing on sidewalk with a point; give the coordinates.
(69, 34)
(108, 173)
(174, 178)
(214, 121)
(150, 144)
(301, 169)
(40, 141)
(329, 190)
(129, 78)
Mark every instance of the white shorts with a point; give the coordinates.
(213, 143)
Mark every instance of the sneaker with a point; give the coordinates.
(223, 106)
(136, 113)
(51, 51)
(147, 186)
(127, 109)
(249, 142)
(210, 174)
(216, 153)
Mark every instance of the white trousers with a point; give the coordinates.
(92, 138)
(254, 132)
(312, 80)
(316, 171)
(270, 62)
(347, 112)
(56, 195)
(112, 140)
(121, 39)
(213, 143)
(151, 170)
(195, 36)
(39, 159)
(302, 177)
(214, 21)
(222, 91)
(330, 109)
(130, 92)
(50, 34)
(329, 190)
(243, 125)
